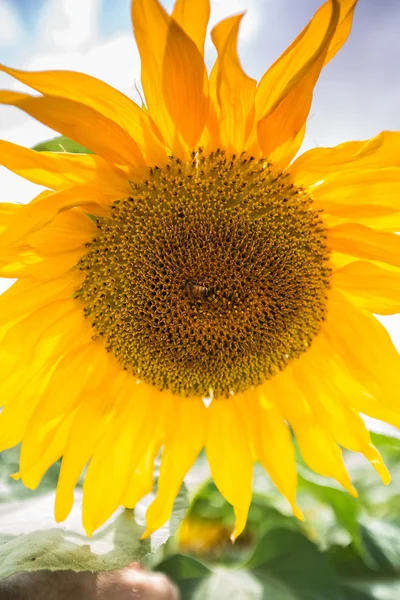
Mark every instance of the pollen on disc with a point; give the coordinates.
(212, 276)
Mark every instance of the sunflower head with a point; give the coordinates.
(190, 256)
(210, 277)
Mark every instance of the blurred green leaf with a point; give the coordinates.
(61, 144)
(196, 581)
(378, 580)
(382, 540)
(377, 500)
(289, 557)
(115, 545)
(284, 566)
(187, 573)
(182, 567)
(331, 514)
(230, 584)
(376, 590)
(346, 510)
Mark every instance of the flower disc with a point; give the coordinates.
(210, 277)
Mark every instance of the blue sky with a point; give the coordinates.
(356, 97)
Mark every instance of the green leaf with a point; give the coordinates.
(381, 581)
(25, 548)
(187, 573)
(197, 582)
(182, 567)
(284, 566)
(382, 540)
(377, 500)
(290, 558)
(61, 144)
(230, 584)
(375, 590)
(322, 501)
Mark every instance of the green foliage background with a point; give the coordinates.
(347, 549)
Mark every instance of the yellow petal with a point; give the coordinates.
(230, 459)
(22, 387)
(75, 329)
(317, 445)
(100, 97)
(284, 119)
(364, 242)
(82, 442)
(26, 296)
(28, 386)
(8, 211)
(31, 343)
(371, 287)
(129, 435)
(380, 222)
(83, 124)
(287, 151)
(173, 76)
(293, 76)
(69, 230)
(48, 453)
(315, 165)
(349, 388)
(235, 91)
(343, 29)
(302, 50)
(363, 193)
(181, 447)
(81, 370)
(330, 409)
(193, 16)
(37, 214)
(21, 338)
(51, 169)
(184, 85)
(29, 264)
(365, 347)
(141, 480)
(211, 137)
(271, 438)
(321, 453)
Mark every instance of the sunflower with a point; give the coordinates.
(190, 257)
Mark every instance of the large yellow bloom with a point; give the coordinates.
(190, 256)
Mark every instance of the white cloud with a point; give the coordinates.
(69, 24)
(10, 29)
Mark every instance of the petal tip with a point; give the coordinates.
(352, 491)
(146, 534)
(62, 508)
(298, 513)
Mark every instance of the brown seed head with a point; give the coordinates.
(212, 275)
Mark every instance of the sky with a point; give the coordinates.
(356, 97)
